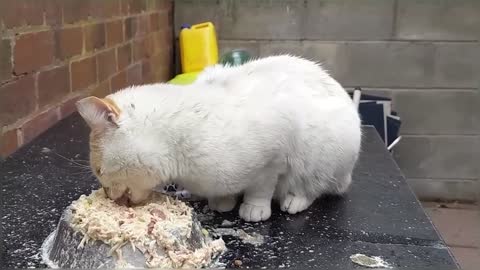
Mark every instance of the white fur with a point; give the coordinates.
(278, 127)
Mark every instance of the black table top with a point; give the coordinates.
(379, 216)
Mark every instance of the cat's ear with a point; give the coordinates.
(98, 113)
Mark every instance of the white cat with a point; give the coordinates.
(278, 127)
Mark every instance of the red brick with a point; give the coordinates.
(114, 32)
(76, 10)
(170, 18)
(134, 75)
(106, 64)
(68, 42)
(161, 65)
(151, 5)
(94, 36)
(162, 74)
(21, 12)
(119, 81)
(146, 71)
(124, 7)
(105, 9)
(68, 107)
(32, 51)
(143, 25)
(142, 48)
(8, 142)
(165, 4)
(83, 73)
(136, 6)
(124, 56)
(39, 124)
(17, 100)
(53, 12)
(154, 22)
(130, 27)
(162, 41)
(5, 60)
(53, 85)
(163, 59)
(102, 90)
(163, 20)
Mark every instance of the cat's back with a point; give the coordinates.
(276, 71)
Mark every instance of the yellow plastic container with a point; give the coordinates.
(198, 47)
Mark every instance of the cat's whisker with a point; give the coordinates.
(71, 160)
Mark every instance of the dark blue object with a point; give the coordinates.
(372, 114)
(185, 25)
(393, 129)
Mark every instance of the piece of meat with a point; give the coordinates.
(158, 213)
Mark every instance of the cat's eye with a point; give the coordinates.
(99, 171)
(110, 118)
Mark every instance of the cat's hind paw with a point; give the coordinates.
(254, 213)
(222, 204)
(295, 204)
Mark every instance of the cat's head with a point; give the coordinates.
(114, 151)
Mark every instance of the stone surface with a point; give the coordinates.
(438, 20)
(468, 258)
(457, 65)
(446, 189)
(193, 12)
(268, 48)
(463, 232)
(349, 19)
(459, 226)
(378, 216)
(439, 157)
(385, 64)
(253, 19)
(227, 45)
(441, 112)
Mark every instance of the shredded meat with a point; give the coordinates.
(158, 229)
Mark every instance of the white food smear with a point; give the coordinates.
(367, 261)
(253, 239)
(154, 228)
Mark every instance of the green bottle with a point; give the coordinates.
(235, 57)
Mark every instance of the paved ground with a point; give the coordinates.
(459, 225)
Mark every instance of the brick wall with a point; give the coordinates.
(424, 54)
(53, 53)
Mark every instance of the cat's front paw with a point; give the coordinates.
(254, 213)
(294, 204)
(222, 204)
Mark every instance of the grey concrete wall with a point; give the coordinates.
(425, 54)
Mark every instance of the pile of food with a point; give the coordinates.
(160, 229)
